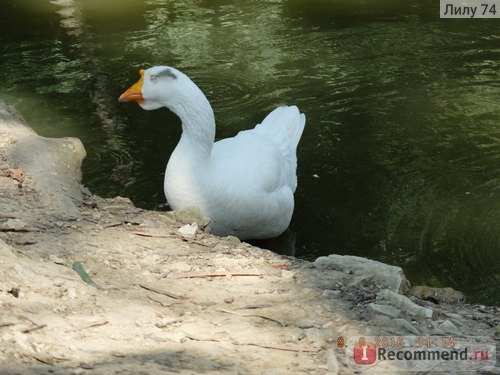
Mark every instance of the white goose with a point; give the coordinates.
(244, 184)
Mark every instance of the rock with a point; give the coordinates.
(384, 309)
(188, 230)
(406, 324)
(229, 299)
(285, 274)
(390, 277)
(55, 259)
(71, 292)
(233, 241)
(14, 225)
(403, 303)
(191, 214)
(149, 224)
(358, 280)
(447, 327)
(437, 295)
(53, 166)
(328, 293)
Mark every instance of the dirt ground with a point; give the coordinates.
(165, 298)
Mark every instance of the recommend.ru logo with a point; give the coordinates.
(420, 353)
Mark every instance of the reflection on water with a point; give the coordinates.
(400, 159)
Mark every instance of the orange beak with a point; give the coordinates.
(134, 93)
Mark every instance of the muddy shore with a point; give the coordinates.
(160, 296)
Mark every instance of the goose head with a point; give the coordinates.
(159, 86)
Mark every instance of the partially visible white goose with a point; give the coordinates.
(245, 184)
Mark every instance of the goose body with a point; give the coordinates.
(244, 184)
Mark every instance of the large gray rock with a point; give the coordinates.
(389, 277)
(50, 166)
(403, 303)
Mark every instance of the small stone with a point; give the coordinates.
(58, 282)
(166, 322)
(328, 293)
(448, 327)
(14, 292)
(188, 230)
(55, 259)
(300, 336)
(233, 241)
(229, 299)
(384, 309)
(285, 274)
(406, 324)
(149, 224)
(189, 215)
(71, 292)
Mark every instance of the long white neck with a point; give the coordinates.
(187, 167)
(198, 123)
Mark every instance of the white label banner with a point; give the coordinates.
(469, 9)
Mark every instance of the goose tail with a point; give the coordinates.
(284, 125)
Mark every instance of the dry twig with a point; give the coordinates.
(253, 316)
(31, 329)
(218, 274)
(190, 240)
(96, 323)
(160, 291)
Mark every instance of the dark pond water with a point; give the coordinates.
(400, 159)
